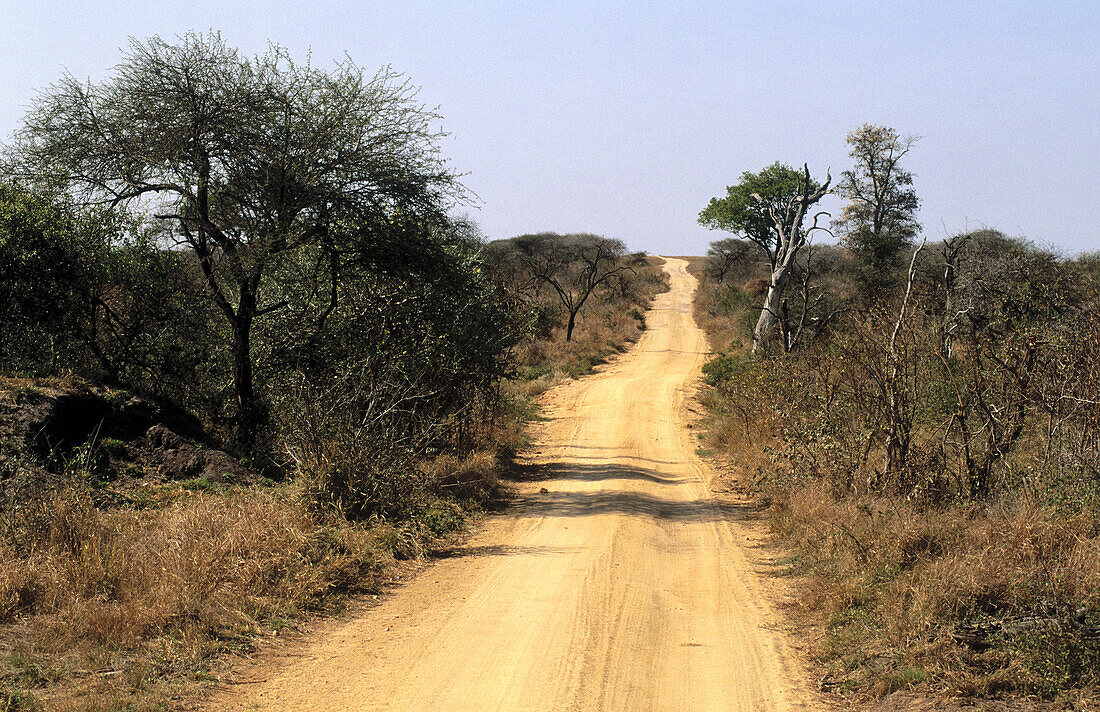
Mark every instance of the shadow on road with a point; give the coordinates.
(532, 472)
(462, 552)
(564, 503)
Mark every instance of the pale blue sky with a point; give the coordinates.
(625, 118)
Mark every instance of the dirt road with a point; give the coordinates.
(624, 587)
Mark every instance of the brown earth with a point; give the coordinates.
(617, 582)
(51, 434)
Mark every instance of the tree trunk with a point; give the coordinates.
(570, 325)
(769, 313)
(947, 322)
(899, 409)
(247, 409)
(898, 435)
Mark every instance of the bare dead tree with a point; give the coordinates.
(899, 411)
(952, 255)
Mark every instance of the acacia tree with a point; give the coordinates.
(573, 265)
(768, 208)
(880, 221)
(246, 160)
(728, 257)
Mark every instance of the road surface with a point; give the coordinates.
(624, 586)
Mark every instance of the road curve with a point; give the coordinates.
(625, 586)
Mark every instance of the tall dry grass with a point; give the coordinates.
(725, 311)
(899, 587)
(206, 562)
(127, 605)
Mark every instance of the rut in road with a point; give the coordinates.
(624, 587)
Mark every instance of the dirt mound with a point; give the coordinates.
(50, 434)
(179, 459)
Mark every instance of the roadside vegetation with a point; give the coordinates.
(581, 299)
(249, 359)
(920, 420)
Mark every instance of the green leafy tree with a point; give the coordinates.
(879, 222)
(768, 209)
(247, 160)
(50, 259)
(151, 326)
(744, 210)
(402, 364)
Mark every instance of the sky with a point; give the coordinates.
(625, 118)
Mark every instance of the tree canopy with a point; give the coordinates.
(747, 206)
(246, 161)
(880, 219)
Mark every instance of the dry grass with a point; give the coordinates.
(121, 608)
(894, 584)
(472, 478)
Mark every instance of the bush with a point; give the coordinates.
(937, 479)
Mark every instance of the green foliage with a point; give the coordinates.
(402, 364)
(986, 519)
(1011, 285)
(905, 678)
(1058, 657)
(441, 517)
(93, 292)
(731, 371)
(880, 221)
(13, 699)
(744, 208)
(343, 318)
(153, 328)
(50, 259)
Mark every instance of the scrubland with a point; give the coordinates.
(938, 489)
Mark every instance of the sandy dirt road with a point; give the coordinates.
(624, 587)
